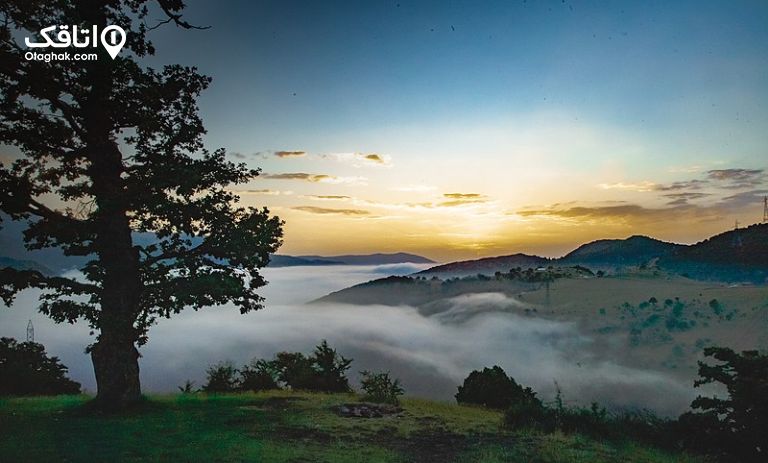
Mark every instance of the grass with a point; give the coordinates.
(284, 427)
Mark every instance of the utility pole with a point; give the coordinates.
(30, 332)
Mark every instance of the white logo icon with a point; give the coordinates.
(82, 38)
(113, 46)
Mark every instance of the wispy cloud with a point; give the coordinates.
(681, 199)
(414, 188)
(637, 186)
(317, 178)
(328, 197)
(266, 192)
(290, 154)
(361, 159)
(682, 185)
(737, 178)
(333, 211)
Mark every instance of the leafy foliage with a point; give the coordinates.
(26, 369)
(120, 147)
(324, 370)
(735, 425)
(380, 387)
(259, 375)
(221, 377)
(492, 388)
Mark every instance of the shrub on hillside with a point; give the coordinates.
(26, 369)
(259, 375)
(323, 371)
(221, 377)
(492, 388)
(379, 387)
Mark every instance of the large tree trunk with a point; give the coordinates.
(114, 356)
(117, 374)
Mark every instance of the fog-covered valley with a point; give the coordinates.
(431, 353)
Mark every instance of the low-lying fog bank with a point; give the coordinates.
(431, 354)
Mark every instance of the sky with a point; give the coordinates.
(466, 129)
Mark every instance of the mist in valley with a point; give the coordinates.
(431, 352)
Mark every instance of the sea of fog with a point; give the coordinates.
(430, 354)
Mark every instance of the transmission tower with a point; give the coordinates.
(30, 332)
(765, 209)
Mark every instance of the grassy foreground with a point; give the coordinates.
(284, 427)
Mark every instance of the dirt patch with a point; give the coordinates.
(366, 410)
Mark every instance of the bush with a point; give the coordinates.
(379, 387)
(26, 369)
(221, 377)
(492, 388)
(528, 414)
(324, 370)
(259, 375)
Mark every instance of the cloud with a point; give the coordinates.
(738, 178)
(325, 210)
(463, 195)
(639, 186)
(316, 178)
(376, 158)
(681, 199)
(461, 199)
(266, 192)
(744, 199)
(239, 155)
(734, 174)
(328, 197)
(361, 159)
(414, 188)
(595, 212)
(290, 154)
(683, 185)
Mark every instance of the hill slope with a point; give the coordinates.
(287, 427)
(634, 250)
(486, 266)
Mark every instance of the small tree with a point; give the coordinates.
(739, 422)
(259, 375)
(379, 387)
(492, 388)
(221, 377)
(324, 370)
(26, 369)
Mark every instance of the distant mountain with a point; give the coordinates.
(486, 266)
(635, 250)
(280, 260)
(374, 259)
(736, 256)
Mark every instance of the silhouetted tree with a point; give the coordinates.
(492, 387)
(325, 370)
(737, 424)
(221, 377)
(119, 145)
(25, 369)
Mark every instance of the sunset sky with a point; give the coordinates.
(466, 129)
